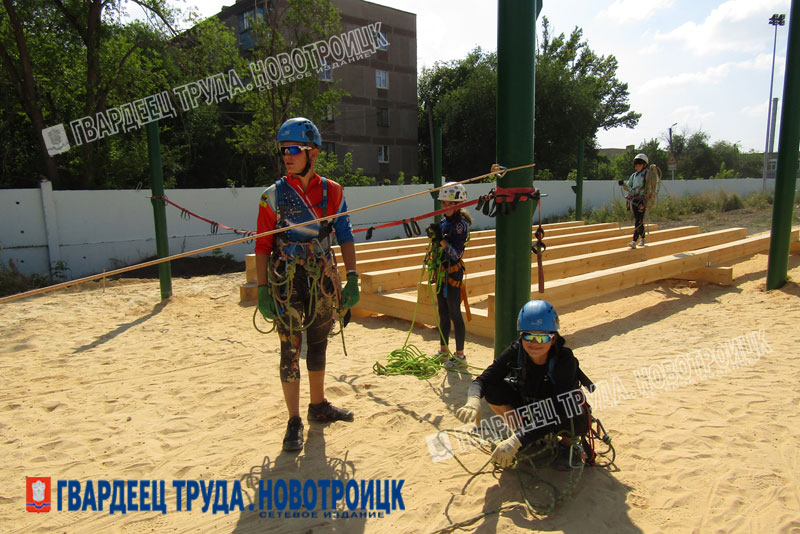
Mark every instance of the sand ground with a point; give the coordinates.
(702, 402)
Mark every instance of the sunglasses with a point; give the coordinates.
(292, 150)
(537, 338)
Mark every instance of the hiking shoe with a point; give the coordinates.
(325, 412)
(632, 244)
(458, 360)
(293, 440)
(643, 243)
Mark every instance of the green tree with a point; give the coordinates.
(577, 94)
(290, 26)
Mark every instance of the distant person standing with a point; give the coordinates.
(635, 195)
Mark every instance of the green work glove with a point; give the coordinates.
(266, 304)
(350, 293)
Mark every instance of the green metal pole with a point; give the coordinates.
(159, 208)
(786, 175)
(437, 166)
(579, 184)
(516, 73)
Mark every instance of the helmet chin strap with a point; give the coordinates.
(308, 163)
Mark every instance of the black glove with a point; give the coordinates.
(620, 182)
(434, 232)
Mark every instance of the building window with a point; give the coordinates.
(380, 41)
(246, 20)
(381, 79)
(383, 154)
(329, 113)
(329, 147)
(326, 74)
(772, 165)
(383, 116)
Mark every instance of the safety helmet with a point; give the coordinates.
(642, 157)
(453, 191)
(301, 130)
(537, 315)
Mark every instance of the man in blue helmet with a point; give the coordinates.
(296, 276)
(538, 371)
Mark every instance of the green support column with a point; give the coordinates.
(159, 210)
(516, 72)
(579, 184)
(786, 175)
(437, 166)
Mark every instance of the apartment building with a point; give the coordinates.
(377, 121)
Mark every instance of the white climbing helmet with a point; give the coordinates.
(453, 191)
(643, 157)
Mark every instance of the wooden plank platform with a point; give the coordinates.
(581, 262)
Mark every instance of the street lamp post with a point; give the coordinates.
(775, 20)
(671, 154)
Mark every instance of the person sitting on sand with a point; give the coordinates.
(535, 374)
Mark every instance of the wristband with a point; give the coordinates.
(352, 272)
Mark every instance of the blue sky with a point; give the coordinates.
(702, 64)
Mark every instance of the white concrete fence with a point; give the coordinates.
(80, 233)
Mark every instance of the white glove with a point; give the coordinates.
(471, 411)
(504, 454)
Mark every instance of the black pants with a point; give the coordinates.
(450, 310)
(301, 307)
(638, 216)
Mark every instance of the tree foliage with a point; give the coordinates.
(67, 59)
(295, 25)
(577, 94)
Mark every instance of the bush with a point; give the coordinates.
(733, 202)
(13, 282)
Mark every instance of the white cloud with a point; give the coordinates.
(711, 75)
(627, 11)
(691, 114)
(734, 25)
(758, 110)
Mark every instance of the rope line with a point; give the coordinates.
(121, 270)
(187, 214)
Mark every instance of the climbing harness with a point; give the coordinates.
(584, 450)
(316, 259)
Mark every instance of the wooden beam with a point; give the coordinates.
(483, 283)
(716, 275)
(391, 278)
(587, 286)
(599, 283)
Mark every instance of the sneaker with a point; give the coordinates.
(632, 244)
(293, 440)
(325, 412)
(458, 360)
(441, 356)
(643, 243)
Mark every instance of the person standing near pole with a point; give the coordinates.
(296, 286)
(635, 189)
(453, 235)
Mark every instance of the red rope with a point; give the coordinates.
(214, 224)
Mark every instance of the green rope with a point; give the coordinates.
(526, 465)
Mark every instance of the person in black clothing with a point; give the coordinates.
(533, 384)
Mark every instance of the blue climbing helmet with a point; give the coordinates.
(300, 130)
(537, 315)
